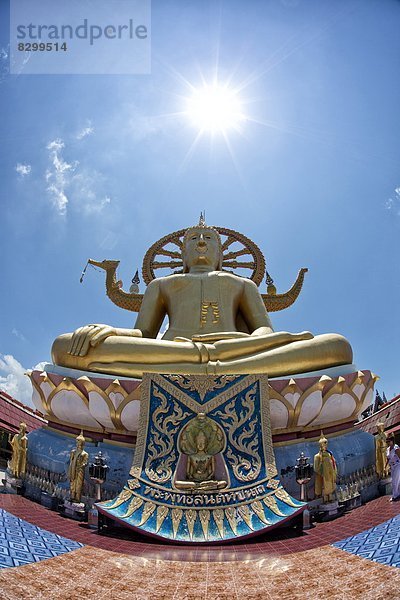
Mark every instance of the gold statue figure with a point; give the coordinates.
(218, 324)
(380, 451)
(19, 445)
(325, 471)
(200, 441)
(79, 458)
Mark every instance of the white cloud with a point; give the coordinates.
(13, 379)
(393, 204)
(18, 334)
(70, 183)
(85, 132)
(87, 188)
(59, 175)
(23, 169)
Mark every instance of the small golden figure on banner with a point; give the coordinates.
(201, 440)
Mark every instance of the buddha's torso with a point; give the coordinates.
(201, 303)
(201, 466)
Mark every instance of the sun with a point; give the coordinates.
(215, 108)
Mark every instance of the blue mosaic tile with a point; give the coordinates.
(20, 563)
(6, 561)
(22, 543)
(379, 544)
(365, 554)
(367, 547)
(390, 543)
(36, 543)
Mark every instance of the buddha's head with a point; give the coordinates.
(202, 248)
(380, 427)
(323, 442)
(22, 428)
(80, 441)
(201, 441)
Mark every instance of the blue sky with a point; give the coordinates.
(106, 167)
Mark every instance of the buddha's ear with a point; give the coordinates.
(184, 267)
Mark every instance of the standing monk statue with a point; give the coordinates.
(19, 445)
(218, 324)
(79, 458)
(325, 472)
(380, 451)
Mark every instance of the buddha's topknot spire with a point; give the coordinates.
(202, 219)
(80, 437)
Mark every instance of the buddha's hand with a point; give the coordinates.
(219, 335)
(291, 337)
(90, 336)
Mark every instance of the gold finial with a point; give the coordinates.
(322, 439)
(81, 437)
(271, 289)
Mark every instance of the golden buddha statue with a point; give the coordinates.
(218, 324)
(380, 451)
(19, 445)
(325, 471)
(79, 458)
(200, 441)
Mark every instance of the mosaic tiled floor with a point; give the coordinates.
(22, 543)
(93, 573)
(280, 567)
(280, 542)
(380, 544)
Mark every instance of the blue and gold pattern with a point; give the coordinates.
(252, 499)
(22, 543)
(380, 544)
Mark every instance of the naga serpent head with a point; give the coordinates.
(107, 265)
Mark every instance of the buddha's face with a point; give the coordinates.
(202, 248)
(201, 442)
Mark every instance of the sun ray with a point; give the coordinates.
(189, 153)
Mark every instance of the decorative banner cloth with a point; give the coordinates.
(204, 467)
